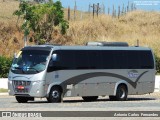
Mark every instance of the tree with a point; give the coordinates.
(41, 19)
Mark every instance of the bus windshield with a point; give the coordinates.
(30, 62)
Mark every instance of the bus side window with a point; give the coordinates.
(95, 56)
(108, 59)
(81, 59)
(146, 60)
(133, 59)
(62, 60)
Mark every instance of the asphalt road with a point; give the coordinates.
(148, 102)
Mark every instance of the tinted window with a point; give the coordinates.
(103, 59)
(65, 60)
(108, 59)
(146, 60)
(120, 58)
(95, 59)
(133, 59)
(81, 59)
(117, 59)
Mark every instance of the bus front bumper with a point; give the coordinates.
(27, 88)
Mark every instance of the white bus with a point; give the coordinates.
(54, 72)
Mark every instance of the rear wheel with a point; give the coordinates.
(121, 94)
(90, 98)
(55, 95)
(21, 99)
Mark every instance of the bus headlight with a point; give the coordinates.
(34, 83)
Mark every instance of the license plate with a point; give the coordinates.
(20, 87)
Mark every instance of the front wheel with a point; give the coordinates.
(55, 95)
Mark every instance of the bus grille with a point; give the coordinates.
(21, 86)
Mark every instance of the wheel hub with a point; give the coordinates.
(55, 94)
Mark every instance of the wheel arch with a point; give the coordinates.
(120, 83)
(54, 85)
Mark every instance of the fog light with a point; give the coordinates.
(37, 91)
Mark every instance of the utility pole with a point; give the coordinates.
(113, 11)
(25, 35)
(75, 8)
(68, 13)
(128, 7)
(108, 10)
(97, 9)
(89, 10)
(119, 11)
(93, 9)
(122, 12)
(81, 14)
(103, 9)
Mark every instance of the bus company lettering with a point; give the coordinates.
(133, 74)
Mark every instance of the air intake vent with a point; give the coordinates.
(109, 44)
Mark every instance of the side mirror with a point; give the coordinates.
(54, 57)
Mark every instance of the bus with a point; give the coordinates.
(97, 69)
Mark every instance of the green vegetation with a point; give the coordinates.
(5, 64)
(41, 19)
(157, 64)
(2, 90)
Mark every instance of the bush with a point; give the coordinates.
(5, 64)
(157, 63)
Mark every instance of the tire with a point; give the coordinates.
(55, 95)
(22, 99)
(90, 98)
(121, 93)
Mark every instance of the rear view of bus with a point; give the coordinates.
(97, 69)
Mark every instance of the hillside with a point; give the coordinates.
(137, 25)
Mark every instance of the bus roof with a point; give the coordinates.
(49, 47)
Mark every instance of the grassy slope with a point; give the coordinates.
(10, 38)
(6, 10)
(137, 25)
